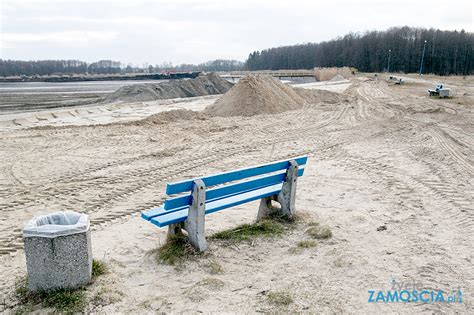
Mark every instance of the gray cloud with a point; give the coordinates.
(198, 30)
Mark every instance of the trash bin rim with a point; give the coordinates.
(33, 229)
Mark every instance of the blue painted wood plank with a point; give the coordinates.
(236, 200)
(231, 189)
(216, 179)
(149, 214)
(181, 203)
(220, 204)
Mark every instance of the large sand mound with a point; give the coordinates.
(326, 74)
(337, 77)
(203, 85)
(254, 95)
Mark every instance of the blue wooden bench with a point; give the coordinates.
(200, 196)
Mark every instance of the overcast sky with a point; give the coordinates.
(193, 31)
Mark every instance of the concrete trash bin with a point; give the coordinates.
(58, 251)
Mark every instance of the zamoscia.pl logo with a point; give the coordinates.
(413, 292)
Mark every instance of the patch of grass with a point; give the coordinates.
(246, 232)
(280, 298)
(307, 244)
(98, 268)
(214, 267)
(24, 309)
(21, 290)
(176, 250)
(319, 231)
(63, 300)
(105, 296)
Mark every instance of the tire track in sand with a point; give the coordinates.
(13, 243)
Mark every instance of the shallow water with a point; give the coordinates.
(31, 96)
(67, 87)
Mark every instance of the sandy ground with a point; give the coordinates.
(100, 114)
(336, 86)
(391, 157)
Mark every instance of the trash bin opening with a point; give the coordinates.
(57, 224)
(59, 218)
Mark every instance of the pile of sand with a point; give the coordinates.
(210, 84)
(337, 77)
(254, 95)
(168, 117)
(326, 74)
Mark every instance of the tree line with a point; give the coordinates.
(397, 49)
(208, 66)
(213, 65)
(51, 67)
(72, 67)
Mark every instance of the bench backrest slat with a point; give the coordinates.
(211, 180)
(235, 200)
(232, 189)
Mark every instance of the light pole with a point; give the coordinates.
(388, 65)
(422, 57)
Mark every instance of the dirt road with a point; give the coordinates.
(391, 172)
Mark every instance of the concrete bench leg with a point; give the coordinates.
(175, 229)
(194, 224)
(286, 198)
(266, 209)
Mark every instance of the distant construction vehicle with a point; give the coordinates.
(398, 81)
(440, 91)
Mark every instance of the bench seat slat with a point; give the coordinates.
(232, 189)
(150, 214)
(212, 180)
(220, 204)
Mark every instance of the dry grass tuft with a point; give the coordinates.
(280, 298)
(319, 231)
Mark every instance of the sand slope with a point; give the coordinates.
(203, 85)
(254, 95)
(259, 94)
(384, 156)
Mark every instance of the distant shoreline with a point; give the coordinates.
(100, 77)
